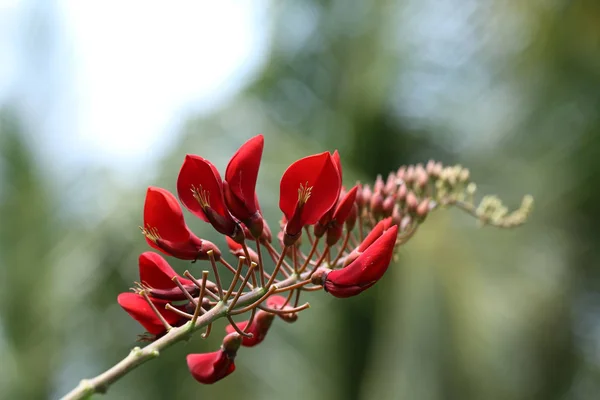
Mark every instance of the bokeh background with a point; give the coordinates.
(98, 100)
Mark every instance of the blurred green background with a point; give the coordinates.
(510, 89)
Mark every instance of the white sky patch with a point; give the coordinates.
(138, 64)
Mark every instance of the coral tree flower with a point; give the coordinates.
(139, 309)
(321, 226)
(258, 328)
(308, 189)
(239, 186)
(209, 368)
(156, 276)
(364, 271)
(165, 228)
(200, 189)
(342, 212)
(156, 272)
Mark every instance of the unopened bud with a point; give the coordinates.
(390, 184)
(401, 173)
(411, 201)
(422, 179)
(388, 206)
(430, 167)
(401, 193)
(396, 215)
(379, 184)
(366, 196)
(409, 176)
(351, 220)
(422, 209)
(376, 203)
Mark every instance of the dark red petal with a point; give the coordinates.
(337, 162)
(370, 265)
(139, 309)
(375, 233)
(197, 172)
(156, 272)
(344, 207)
(209, 368)
(162, 211)
(242, 172)
(345, 291)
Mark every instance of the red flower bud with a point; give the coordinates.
(209, 368)
(139, 309)
(342, 211)
(166, 230)
(364, 271)
(200, 189)
(237, 250)
(351, 220)
(240, 186)
(375, 233)
(259, 328)
(308, 189)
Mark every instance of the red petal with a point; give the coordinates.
(242, 172)
(209, 368)
(337, 162)
(156, 272)
(345, 206)
(139, 309)
(259, 328)
(375, 233)
(370, 265)
(197, 172)
(345, 291)
(317, 171)
(162, 211)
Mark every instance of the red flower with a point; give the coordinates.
(166, 230)
(308, 189)
(237, 250)
(139, 309)
(342, 212)
(156, 272)
(211, 367)
(323, 223)
(200, 189)
(240, 184)
(366, 270)
(259, 328)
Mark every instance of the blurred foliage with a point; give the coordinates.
(508, 88)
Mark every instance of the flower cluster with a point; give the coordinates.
(332, 238)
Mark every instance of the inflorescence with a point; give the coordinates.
(330, 238)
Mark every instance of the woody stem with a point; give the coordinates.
(139, 356)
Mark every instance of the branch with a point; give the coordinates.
(139, 356)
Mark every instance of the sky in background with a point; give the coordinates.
(110, 82)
